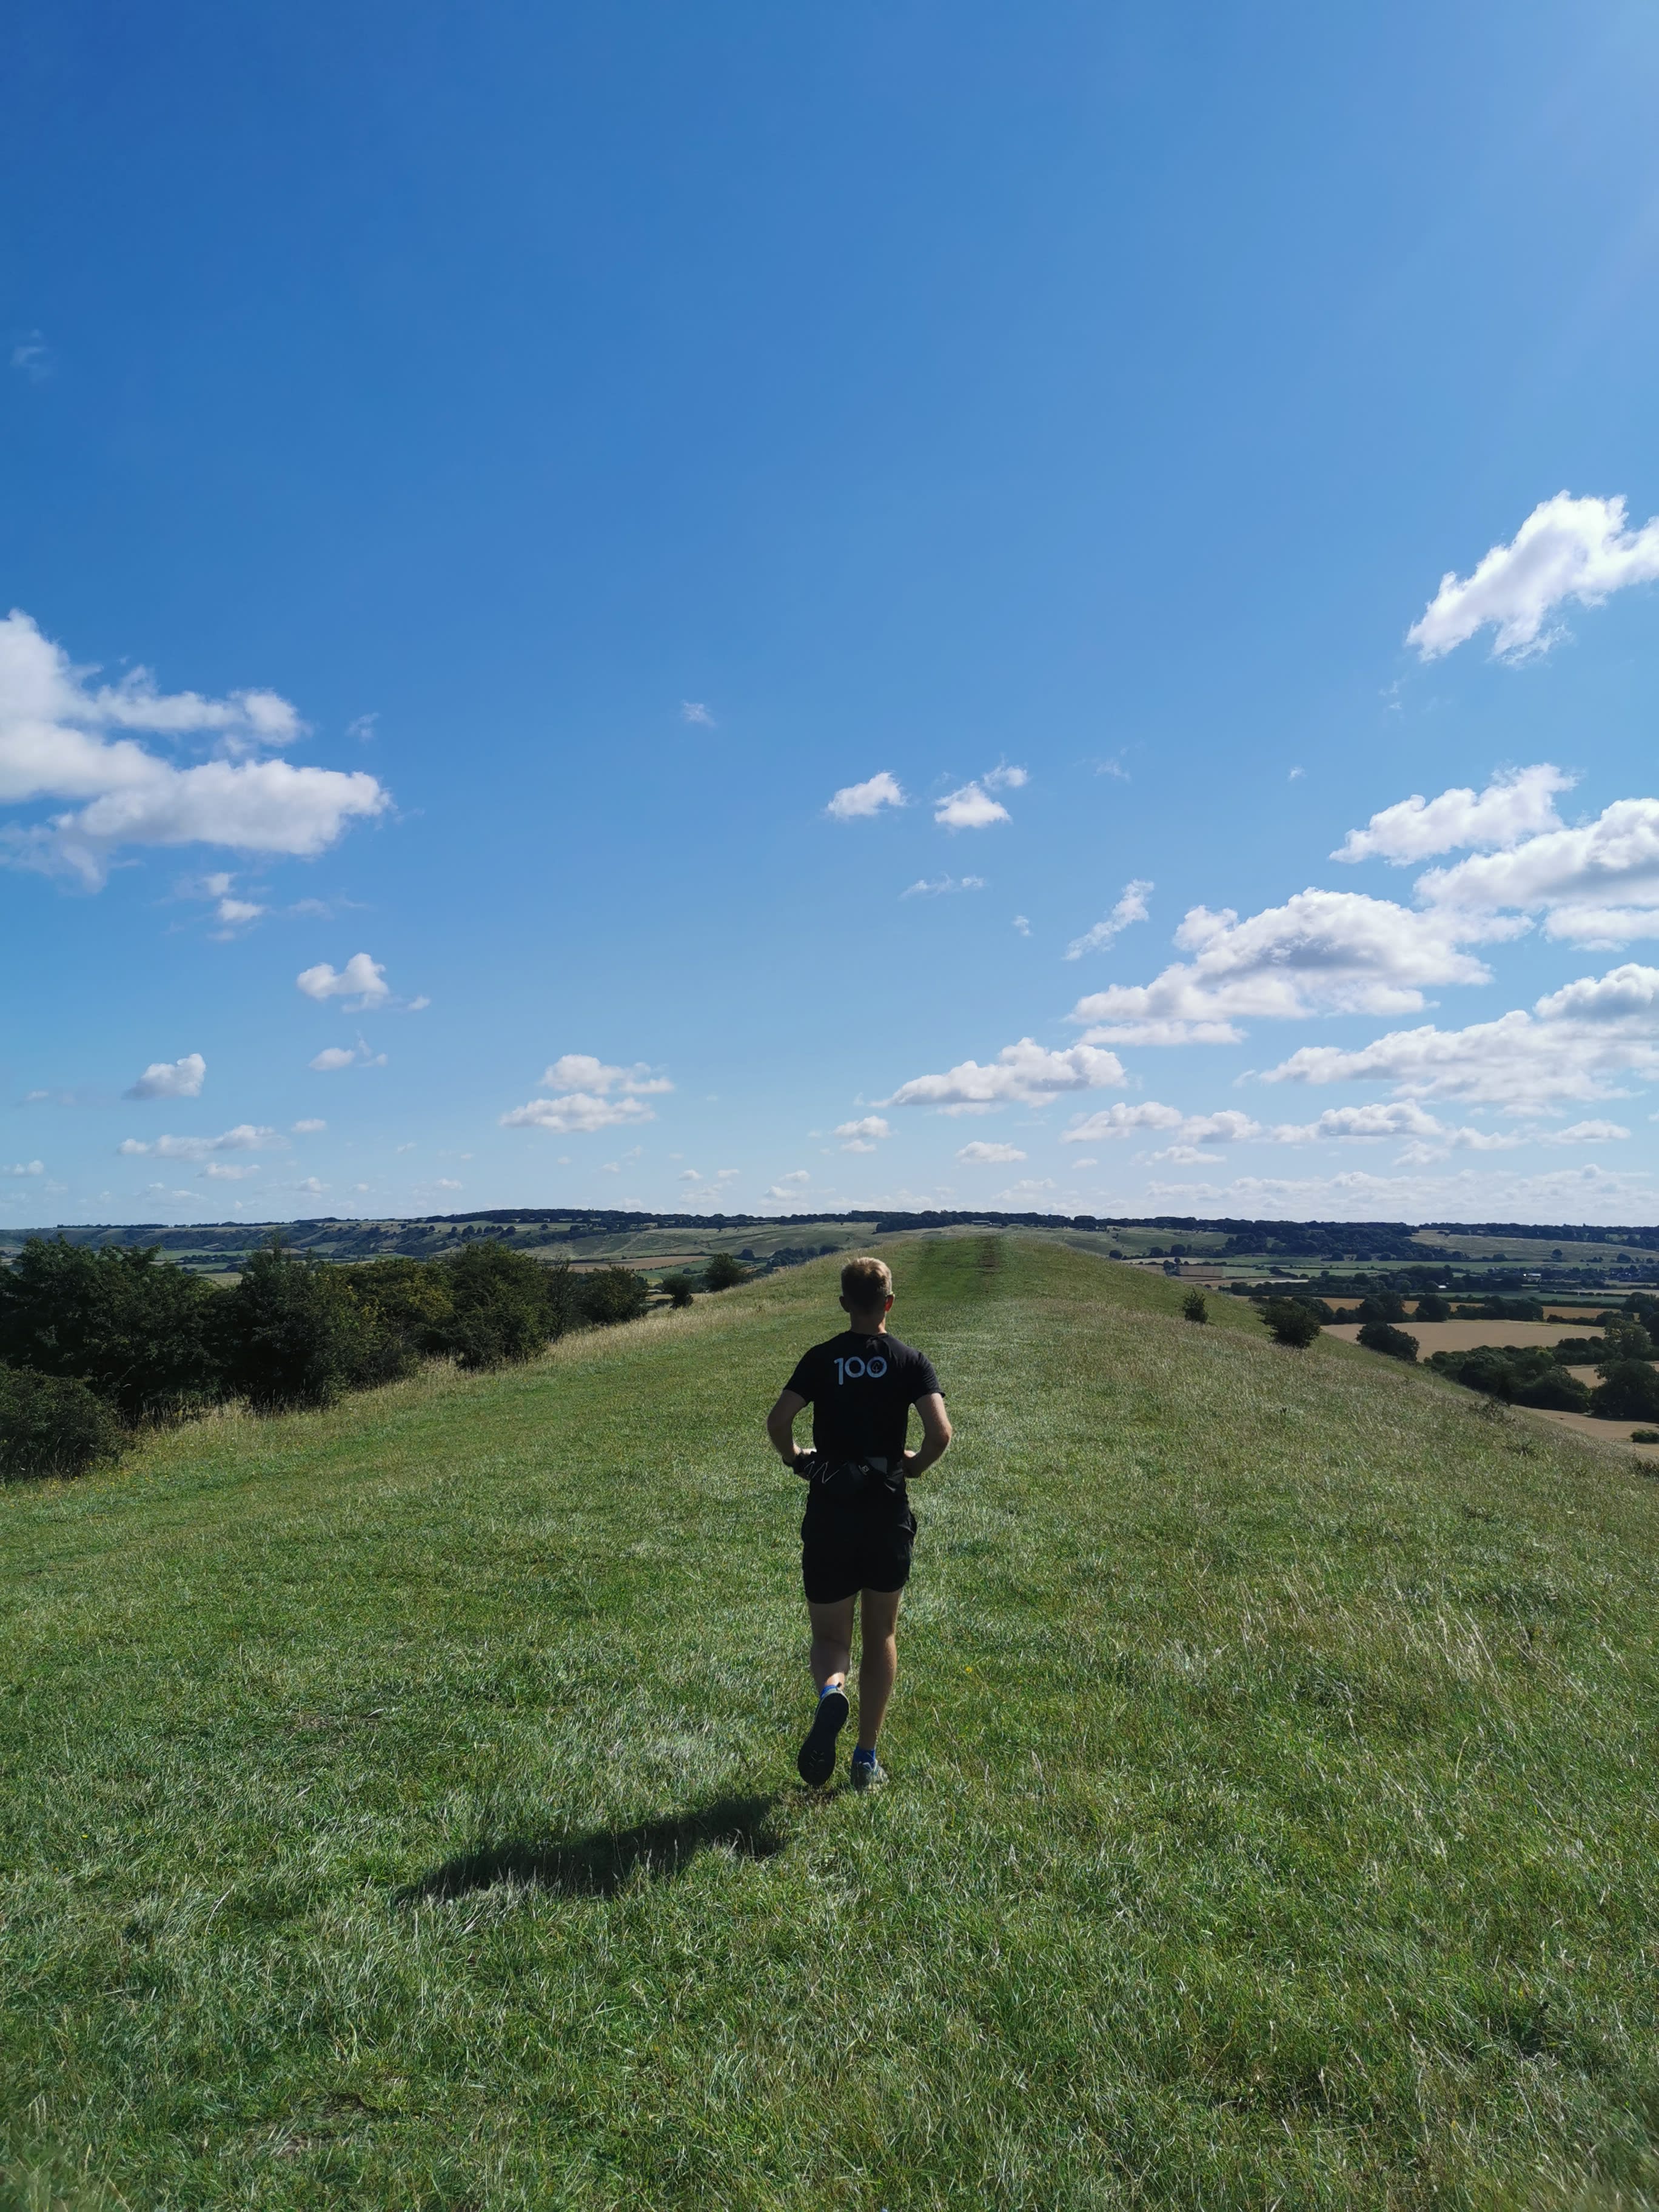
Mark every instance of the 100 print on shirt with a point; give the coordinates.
(851, 1369)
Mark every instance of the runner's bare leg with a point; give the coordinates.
(832, 1641)
(877, 1661)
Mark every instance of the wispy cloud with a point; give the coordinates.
(32, 357)
(246, 1137)
(693, 711)
(1130, 907)
(941, 886)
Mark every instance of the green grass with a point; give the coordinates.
(398, 1807)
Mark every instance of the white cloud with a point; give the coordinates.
(1589, 1133)
(970, 808)
(862, 1136)
(1130, 907)
(938, 886)
(54, 745)
(577, 1113)
(361, 979)
(693, 711)
(1021, 1074)
(792, 1185)
(855, 800)
(219, 1171)
(689, 1174)
(1575, 1044)
(1596, 885)
(244, 1137)
(443, 1182)
(978, 1154)
(235, 914)
(581, 1071)
(309, 1127)
(1513, 807)
(1322, 952)
(1005, 779)
(1031, 1187)
(26, 1168)
(310, 1187)
(1022, 925)
(171, 1078)
(1566, 549)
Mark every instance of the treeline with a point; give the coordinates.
(97, 1343)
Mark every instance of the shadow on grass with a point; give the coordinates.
(598, 1864)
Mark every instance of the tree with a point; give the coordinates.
(139, 1330)
(1382, 1305)
(611, 1295)
(1381, 1336)
(1193, 1308)
(680, 1289)
(505, 1306)
(294, 1335)
(53, 1424)
(1630, 1392)
(1433, 1307)
(723, 1272)
(1292, 1322)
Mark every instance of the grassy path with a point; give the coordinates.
(397, 1806)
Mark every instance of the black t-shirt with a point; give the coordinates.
(861, 1389)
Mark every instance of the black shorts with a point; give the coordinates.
(841, 1553)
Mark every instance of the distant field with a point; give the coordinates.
(400, 1809)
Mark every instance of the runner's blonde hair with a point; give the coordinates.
(866, 1284)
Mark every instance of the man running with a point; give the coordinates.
(859, 1529)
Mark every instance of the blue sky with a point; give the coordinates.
(480, 482)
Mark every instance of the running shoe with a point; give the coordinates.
(867, 1773)
(815, 1762)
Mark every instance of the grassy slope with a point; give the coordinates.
(399, 1809)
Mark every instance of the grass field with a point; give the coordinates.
(398, 1808)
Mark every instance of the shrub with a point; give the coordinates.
(504, 1306)
(1624, 1338)
(1556, 1388)
(1193, 1308)
(1644, 1435)
(723, 1272)
(680, 1289)
(408, 1307)
(53, 1424)
(1292, 1322)
(295, 1335)
(1381, 1336)
(1431, 1307)
(1630, 1392)
(611, 1295)
(140, 1331)
(1519, 1375)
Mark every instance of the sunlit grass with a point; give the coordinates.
(400, 1809)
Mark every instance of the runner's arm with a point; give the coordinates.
(780, 1427)
(935, 1434)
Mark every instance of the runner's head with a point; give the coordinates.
(866, 1289)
